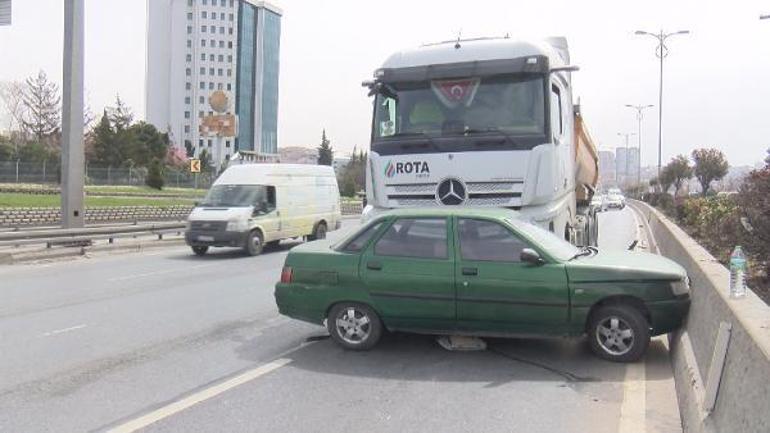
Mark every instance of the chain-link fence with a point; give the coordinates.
(49, 172)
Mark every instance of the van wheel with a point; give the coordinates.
(254, 243)
(200, 251)
(354, 326)
(618, 333)
(319, 233)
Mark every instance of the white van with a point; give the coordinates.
(256, 204)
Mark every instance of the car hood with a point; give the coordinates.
(623, 266)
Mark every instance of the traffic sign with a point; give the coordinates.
(195, 166)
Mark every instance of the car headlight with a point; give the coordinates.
(236, 225)
(681, 287)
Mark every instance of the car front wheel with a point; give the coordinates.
(354, 326)
(618, 333)
(254, 243)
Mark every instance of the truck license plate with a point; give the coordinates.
(206, 238)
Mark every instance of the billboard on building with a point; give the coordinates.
(218, 125)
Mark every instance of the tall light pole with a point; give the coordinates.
(72, 211)
(639, 116)
(661, 52)
(625, 174)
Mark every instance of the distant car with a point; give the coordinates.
(480, 272)
(615, 201)
(598, 203)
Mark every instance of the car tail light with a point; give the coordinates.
(286, 274)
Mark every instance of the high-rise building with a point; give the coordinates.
(212, 75)
(626, 165)
(607, 168)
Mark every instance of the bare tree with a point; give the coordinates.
(42, 116)
(12, 97)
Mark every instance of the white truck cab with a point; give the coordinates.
(485, 122)
(252, 205)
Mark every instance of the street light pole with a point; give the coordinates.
(661, 52)
(72, 211)
(625, 174)
(639, 116)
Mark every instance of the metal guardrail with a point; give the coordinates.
(51, 237)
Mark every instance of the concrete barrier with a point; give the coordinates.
(721, 358)
(36, 216)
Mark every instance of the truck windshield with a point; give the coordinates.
(260, 196)
(459, 114)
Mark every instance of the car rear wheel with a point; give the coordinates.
(618, 333)
(354, 326)
(319, 232)
(200, 251)
(254, 243)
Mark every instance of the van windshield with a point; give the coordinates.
(260, 196)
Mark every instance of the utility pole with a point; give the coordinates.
(72, 211)
(625, 174)
(639, 116)
(661, 52)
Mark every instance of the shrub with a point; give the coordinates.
(154, 177)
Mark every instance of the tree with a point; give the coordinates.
(105, 147)
(35, 151)
(154, 177)
(41, 107)
(325, 152)
(767, 160)
(7, 151)
(666, 179)
(710, 165)
(120, 115)
(144, 143)
(12, 96)
(679, 170)
(205, 158)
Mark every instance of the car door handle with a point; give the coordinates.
(470, 271)
(375, 266)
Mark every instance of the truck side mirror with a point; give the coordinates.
(528, 255)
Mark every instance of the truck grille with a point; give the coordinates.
(497, 194)
(208, 226)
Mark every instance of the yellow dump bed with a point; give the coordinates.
(586, 161)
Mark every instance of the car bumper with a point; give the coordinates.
(296, 302)
(668, 315)
(215, 239)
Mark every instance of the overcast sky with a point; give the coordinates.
(716, 79)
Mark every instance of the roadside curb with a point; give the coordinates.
(33, 256)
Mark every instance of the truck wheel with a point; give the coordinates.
(618, 333)
(319, 232)
(254, 243)
(200, 251)
(354, 326)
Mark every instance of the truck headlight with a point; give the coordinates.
(236, 225)
(681, 287)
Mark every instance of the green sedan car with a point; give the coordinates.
(481, 272)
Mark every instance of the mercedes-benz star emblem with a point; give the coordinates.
(451, 192)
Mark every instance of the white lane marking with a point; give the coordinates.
(63, 330)
(633, 408)
(187, 402)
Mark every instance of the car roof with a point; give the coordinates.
(462, 211)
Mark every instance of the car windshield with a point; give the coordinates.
(236, 196)
(511, 106)
(552, 244)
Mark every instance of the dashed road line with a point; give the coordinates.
(64, 330)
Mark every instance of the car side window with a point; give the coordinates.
(488, 241)
(414, 237)
(360, 241)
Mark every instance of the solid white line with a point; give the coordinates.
(63, 330)
(180, 405)
(633, 408)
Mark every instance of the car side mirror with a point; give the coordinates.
(528, 255)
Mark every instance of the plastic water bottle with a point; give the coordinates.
(737, 273)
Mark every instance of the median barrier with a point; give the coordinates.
(721, 357)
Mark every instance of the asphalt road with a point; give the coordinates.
(169, 342)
